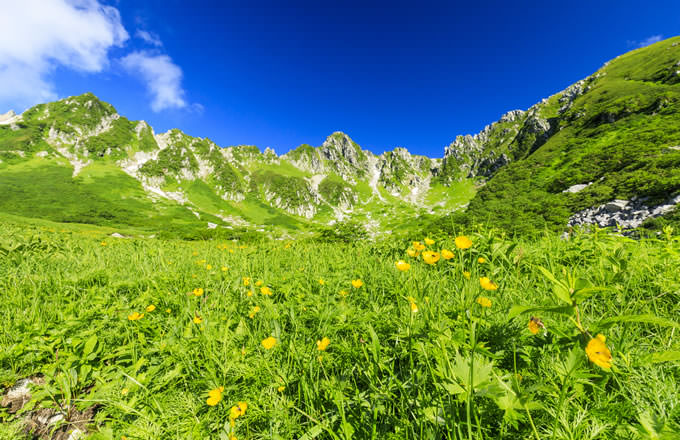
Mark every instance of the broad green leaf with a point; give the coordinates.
(587, 292)
(518, 310)
(89, 345)
(548, 275)
(665, 356)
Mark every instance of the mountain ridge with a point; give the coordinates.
(339, 181)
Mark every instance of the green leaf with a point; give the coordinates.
(587, 292)
(665, 356)
(548, 275)
(89, 345)
(518, 310)
(647, 319)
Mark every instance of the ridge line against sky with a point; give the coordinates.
(279, 75)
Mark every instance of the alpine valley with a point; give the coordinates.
(605, 150)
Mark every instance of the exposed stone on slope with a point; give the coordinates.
(626, 214)
(577, 188)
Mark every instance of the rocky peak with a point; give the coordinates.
(340, 147)
(9, 115)
(511, 116)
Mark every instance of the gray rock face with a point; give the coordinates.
(572, 92)
(627, 214)
(536, 130)
(577, 188)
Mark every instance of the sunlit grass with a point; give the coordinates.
(339, 341)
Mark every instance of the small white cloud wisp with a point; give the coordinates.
(149, 37)
(37, 36)
(161, 76)
(649, 40)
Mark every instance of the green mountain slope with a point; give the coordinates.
(138, 178)
(615, 133)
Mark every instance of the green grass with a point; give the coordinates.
(388, 373)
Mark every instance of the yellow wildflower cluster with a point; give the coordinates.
(484, 301)
(402, 265)
(412, 304)
(135, 316)
(214, 396)
(269, 343)
(322, 344)
(598, 353)
(487, 284)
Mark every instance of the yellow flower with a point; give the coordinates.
(225, 268)
(343, 293)
(124, 391)
(208, 267)
(194, 253)
(357, 283)
(197, 319)
(238, 410)
(412, 252)
(258, 283)
(151, 308)
(103, 243)
(135, 316)
(486, 284)
(167, 310)
(214, 396)
(429, 241)
(598, 353)
(402, 265)
(412, 304)
(266, 290)
(430, 257)
(198, 291)
(418, 246)
(269, 343)
(254, 311)
(250, 293)
(322, 282)
(481, 260)
(463, 242)
(466, 274)
(246, 281)
(322, 344)
(535, 325)
(447, 254)
(243, 246)
(280, 389)
(484, 301)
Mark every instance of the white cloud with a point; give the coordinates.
(649, 40)
(36, 36)
(162, 77)
(149, 37)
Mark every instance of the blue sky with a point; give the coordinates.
(279, 74)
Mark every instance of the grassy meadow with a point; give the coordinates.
(474, 335)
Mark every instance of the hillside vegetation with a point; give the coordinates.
(617, 130)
